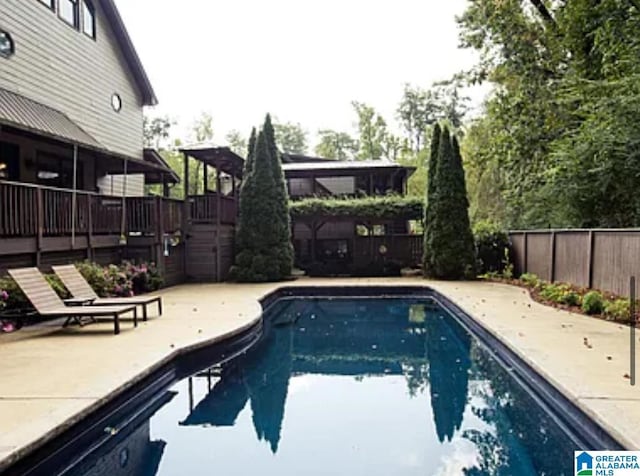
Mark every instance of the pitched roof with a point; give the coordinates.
(21, 113)
(26, 114)
(336, 165)
(212, 155)
(298, 158)
(130, 54)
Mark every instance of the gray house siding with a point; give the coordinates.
(65, 69)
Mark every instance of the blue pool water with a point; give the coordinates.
(347, 387)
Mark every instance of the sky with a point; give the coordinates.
(302, 61)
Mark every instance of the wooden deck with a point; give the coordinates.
(37, 227)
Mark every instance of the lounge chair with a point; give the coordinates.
(80, 289)
(47, 303)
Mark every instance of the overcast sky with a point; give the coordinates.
(303, 61)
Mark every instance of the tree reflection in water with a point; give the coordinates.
(472, 398)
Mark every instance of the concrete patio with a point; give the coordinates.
(51, 377)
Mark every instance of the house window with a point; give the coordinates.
(7, 48)
(56, 171)
(116, 102)
(68, 11)
(89, 19)
(49, 3)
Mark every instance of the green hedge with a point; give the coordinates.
(387, 207)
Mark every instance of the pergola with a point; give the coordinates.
(222, 159)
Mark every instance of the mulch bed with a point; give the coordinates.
(535, 295)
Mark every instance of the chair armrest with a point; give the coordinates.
(79, 301)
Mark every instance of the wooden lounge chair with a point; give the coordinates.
(80, 289)
(47, 303)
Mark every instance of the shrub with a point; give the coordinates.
(492, 247)
(4, 297)
(15, 298)
(144, 277)
(12, 297)
(96, 277)
(592, 303)
(531, 280)
(571, 298)
(58, 287)
(554, 292)
(618, 310)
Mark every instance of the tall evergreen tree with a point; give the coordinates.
(248, 164)
(282, 198)
(264, 251)
(451, 250)
(430, 194)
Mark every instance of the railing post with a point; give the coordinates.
(218, 223)
(159, 238)
(40, 225)
(89, 227)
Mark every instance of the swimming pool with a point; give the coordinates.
(378, 386)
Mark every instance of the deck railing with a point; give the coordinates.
(204, 209)
(28, 210)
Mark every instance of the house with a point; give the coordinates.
(353, 242)
(73, 167)
(584, 464)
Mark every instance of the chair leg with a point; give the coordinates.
(160, 307)
(135, 316)
(116, 324)
(144, 312)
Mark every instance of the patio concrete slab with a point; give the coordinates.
(51, 378)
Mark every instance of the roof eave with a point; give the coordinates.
(133, 60)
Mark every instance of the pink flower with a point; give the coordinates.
(4, 295)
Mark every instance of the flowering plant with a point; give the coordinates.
(4, 297)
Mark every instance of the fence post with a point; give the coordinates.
(590, 260)
(525, 252)
(552, 269)
(632, 324)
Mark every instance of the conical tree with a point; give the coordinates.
(451, 251)
(429, 197)
(282, 196)
(251, 149)
(263, 246)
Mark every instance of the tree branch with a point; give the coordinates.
(544, 11)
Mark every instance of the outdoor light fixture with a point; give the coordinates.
(171, 241)
(7, 48)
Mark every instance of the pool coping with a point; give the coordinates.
(288, 290)
(156, 377)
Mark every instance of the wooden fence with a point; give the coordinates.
(602, 259)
